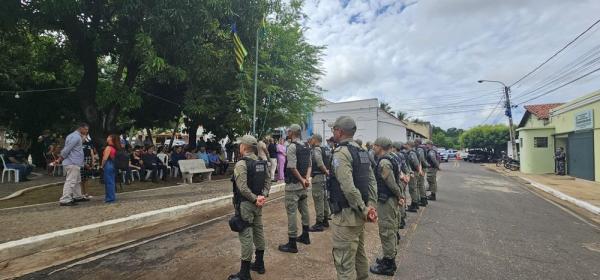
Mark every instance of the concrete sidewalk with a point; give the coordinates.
(21, 222)
(581, 193)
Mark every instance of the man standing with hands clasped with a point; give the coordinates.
(353, 196)
(320, 172)
(250, 189)
(390, 197)
(297, 172)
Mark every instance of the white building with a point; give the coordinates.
(371, 121)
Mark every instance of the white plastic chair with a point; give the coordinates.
(9, 170)
(165, 160)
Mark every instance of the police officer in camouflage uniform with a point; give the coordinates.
(415, 165)
(353, 196)
(434, 167)
(251, 185)
(320, 171)
(405, 172)
(390, 199)
(297, 174)
(420, 149)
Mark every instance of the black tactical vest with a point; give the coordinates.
(413, 166)
(361, 168)
(326, 156)
(428, 158)
(422, 151)
(302, 162)
(256, 172)
(382, 189)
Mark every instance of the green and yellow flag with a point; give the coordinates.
(238, 49)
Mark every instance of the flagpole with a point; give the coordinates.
(255, 86)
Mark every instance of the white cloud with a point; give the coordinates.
(426, 54)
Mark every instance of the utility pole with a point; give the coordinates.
(511, 131)
(508, 113)
(255, 86)
(324, 121)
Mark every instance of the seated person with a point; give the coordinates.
(203, 155)
(190, 153)
(152, 163)
(136, 157)
(176, 156)
(163, 155)
(123, 162)
(224, 162)
(213, 160)
(16, 158)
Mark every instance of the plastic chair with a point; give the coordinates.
(9, 170)
(165, 160)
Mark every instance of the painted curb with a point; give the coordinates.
(31, 245)
(583, 204)
(21, 192)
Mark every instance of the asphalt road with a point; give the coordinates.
(483, 226)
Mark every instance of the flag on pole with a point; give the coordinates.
(238, 49)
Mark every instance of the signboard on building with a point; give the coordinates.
(584, 120)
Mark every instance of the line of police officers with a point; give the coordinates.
(352, 185)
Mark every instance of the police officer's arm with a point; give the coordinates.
(240, 173)
(343, 172)
(372, 189)
(292, 160)
(387, 173)
(415, 161)
(433, 159)
(319, 159)
(309, 169)
(267, 187)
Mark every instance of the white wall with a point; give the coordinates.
(365, 113)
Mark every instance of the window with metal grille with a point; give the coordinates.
(540, 142)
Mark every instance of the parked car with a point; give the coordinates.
(451, 153)
(443, 155)
(477, 156)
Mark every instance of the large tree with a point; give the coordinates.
(492, 138)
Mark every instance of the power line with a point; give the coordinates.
(447, 107)
(492, 112)
(555, 54)
(161, 98)
(561, 86)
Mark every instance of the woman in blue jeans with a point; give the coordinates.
(108, 165)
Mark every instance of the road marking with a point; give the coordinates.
(120, 249)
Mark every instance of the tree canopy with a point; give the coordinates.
(146, 63)
(492, 138)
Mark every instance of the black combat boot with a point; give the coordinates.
(290, 247)
(384, 266)
(304, 237)
(259, 264)
(325, 223)
(244, 273)
(318, 227)
(398, 237)
(431, 196)
(423, 202)
(414, 207)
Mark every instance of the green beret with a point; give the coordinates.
(345, 123)
(383, 142)
(398, 145)
(295, 128)
(248, 140)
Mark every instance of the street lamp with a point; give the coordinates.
(324, 121)
(508, 113)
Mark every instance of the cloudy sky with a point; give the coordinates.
(425, 56)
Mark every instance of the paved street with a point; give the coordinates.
(483, 226)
